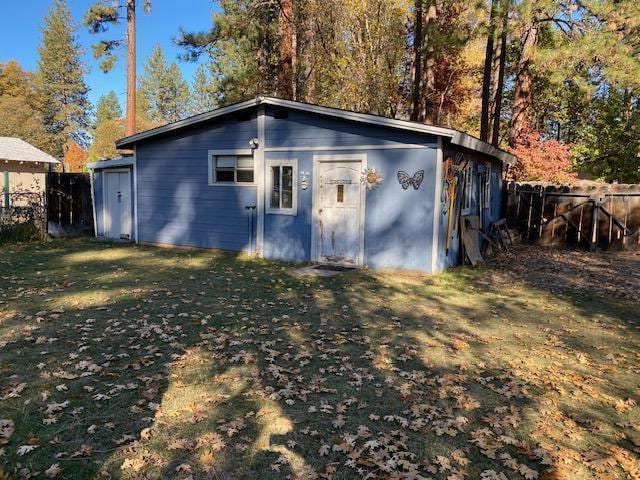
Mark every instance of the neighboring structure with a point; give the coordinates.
(113, 202)
(299, 182)
(23, 168)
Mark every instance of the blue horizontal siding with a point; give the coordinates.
(398, 223)
(175, 203)
(303, 129)
(288, 237)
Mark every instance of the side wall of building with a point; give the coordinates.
(449, 249)
(398, 223)
(26, 182)
(176, 204)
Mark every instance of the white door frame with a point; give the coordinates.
(107, 224)
(315, 202)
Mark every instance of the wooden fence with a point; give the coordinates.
(69, 209)
(593, 216)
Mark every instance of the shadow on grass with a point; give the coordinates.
(236, 368)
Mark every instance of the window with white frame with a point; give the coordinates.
(226, 168)
(282, 186)
(467, 192)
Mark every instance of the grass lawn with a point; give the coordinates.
(136, 362)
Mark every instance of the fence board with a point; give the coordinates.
(69, 207)
(593, 216)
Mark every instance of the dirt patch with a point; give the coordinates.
(604, 274)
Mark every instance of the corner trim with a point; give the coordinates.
(437, 209)
(408, 146)
(260, 170)
(135, 192)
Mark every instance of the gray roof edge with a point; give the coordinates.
(457, 138)
(114, 162)
(361, 117)
(202, 117)
(23, 151)
(465, 140)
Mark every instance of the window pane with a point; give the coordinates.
(340, 198)
(287, 187)
(226, 161)
(224, 175)
(245, 176)
(275, 187)
(245, 162)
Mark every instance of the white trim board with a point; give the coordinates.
(135, 193)
(437, 209)
(408, 146)
(260, 170)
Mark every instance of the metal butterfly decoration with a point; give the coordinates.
(405, 179)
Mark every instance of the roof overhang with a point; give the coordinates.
(113, 163)
(13, 149)
(457, 138)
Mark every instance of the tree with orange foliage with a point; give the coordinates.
(75, 158)
(541, 160)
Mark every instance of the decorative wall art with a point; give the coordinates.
(406, 180)
(451, 198)
(372, 178)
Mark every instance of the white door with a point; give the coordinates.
(118, 205)
(339, 203)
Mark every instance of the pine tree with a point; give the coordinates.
(109, 127)
(108, 108)
(98, 18)
(61, 79)
(204, 91)
(164, 89)
(104, 137)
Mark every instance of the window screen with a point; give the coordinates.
(233, 169)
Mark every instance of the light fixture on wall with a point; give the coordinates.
(253, 143)
(304, 180)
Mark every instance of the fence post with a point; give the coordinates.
(594, 224)
(6, 189)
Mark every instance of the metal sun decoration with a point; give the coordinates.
(372, 178)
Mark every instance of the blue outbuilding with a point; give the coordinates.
(299, 182)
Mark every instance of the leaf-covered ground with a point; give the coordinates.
(136, 362)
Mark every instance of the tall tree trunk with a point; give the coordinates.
(417, 61)
(499, 86)
(130, 121)
(306, 64)
(520, 119)
(287, 51)
(429, 107)
(487, 74)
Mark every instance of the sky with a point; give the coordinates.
(21, 23)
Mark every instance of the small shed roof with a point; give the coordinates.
(456, 137)
(112, 163)
(17, 150)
